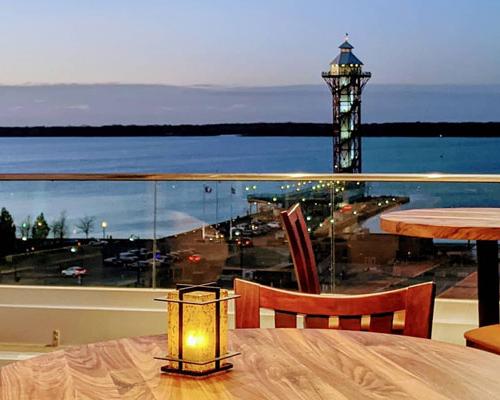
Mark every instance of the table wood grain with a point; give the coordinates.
(444, 223)
(275, 364)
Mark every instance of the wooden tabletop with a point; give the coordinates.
(444, 223)
(275, 364)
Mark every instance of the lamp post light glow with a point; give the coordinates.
(197, 330)
(104, 225)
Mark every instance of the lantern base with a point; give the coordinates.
(175, 371)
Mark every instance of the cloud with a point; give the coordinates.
(82, 107)
(236, 106)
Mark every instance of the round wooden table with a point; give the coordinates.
(480, 224)
(275, 364)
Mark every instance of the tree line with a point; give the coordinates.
(38, 229)
(387, 129)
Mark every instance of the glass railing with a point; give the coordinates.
(156, 230)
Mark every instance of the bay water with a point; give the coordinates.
(128, 207)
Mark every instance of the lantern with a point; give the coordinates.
(197, 330)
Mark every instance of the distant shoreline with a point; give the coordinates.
(390, 129)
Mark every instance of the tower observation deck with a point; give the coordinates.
(346, 80)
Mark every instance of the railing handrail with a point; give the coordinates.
(371, 177)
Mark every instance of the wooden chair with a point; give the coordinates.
(301, 250)
(486, 338)
(417, 301)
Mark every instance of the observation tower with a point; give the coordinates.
(346, 80)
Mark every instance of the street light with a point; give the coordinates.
(239, 243)
(104, 225)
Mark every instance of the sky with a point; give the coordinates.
(246, 43)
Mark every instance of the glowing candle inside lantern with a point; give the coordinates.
(195, 340)
(198, 330)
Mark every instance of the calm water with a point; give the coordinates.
(128, 207)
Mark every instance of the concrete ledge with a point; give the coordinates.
(30, 314)
(80, 296)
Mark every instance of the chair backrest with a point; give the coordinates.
(417, 303)
(301, 250)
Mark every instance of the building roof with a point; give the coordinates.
(346, 58)
(346, 45)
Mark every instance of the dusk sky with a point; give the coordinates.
(233, 42)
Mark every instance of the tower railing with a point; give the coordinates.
(327, 74)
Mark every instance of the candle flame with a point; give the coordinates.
(193, 340)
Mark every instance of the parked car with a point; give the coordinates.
(194, 258)
(138, 265)
(98, 242)
(141, 253)
(164, 259)
(346, 208)
(128, 257)
(113, 261)
(74, 271)
(244, 242)
(185, 252)
(174, 256)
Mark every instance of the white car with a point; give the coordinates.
(74, 271)
(127, 257)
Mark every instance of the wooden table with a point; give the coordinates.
(275, 364)
(480, 224)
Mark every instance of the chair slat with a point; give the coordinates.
(381, 323)
(351, 323)
(283, 319)
(301, 250)
(316, 321)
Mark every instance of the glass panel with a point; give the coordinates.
(76, 233)
(215, 231)
(370, 260)
(157, 234)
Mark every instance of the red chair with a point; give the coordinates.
(301, 250)
(416, 301)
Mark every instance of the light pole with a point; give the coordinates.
(239, 243)
(104, 225)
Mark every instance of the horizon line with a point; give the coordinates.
(222, 86)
